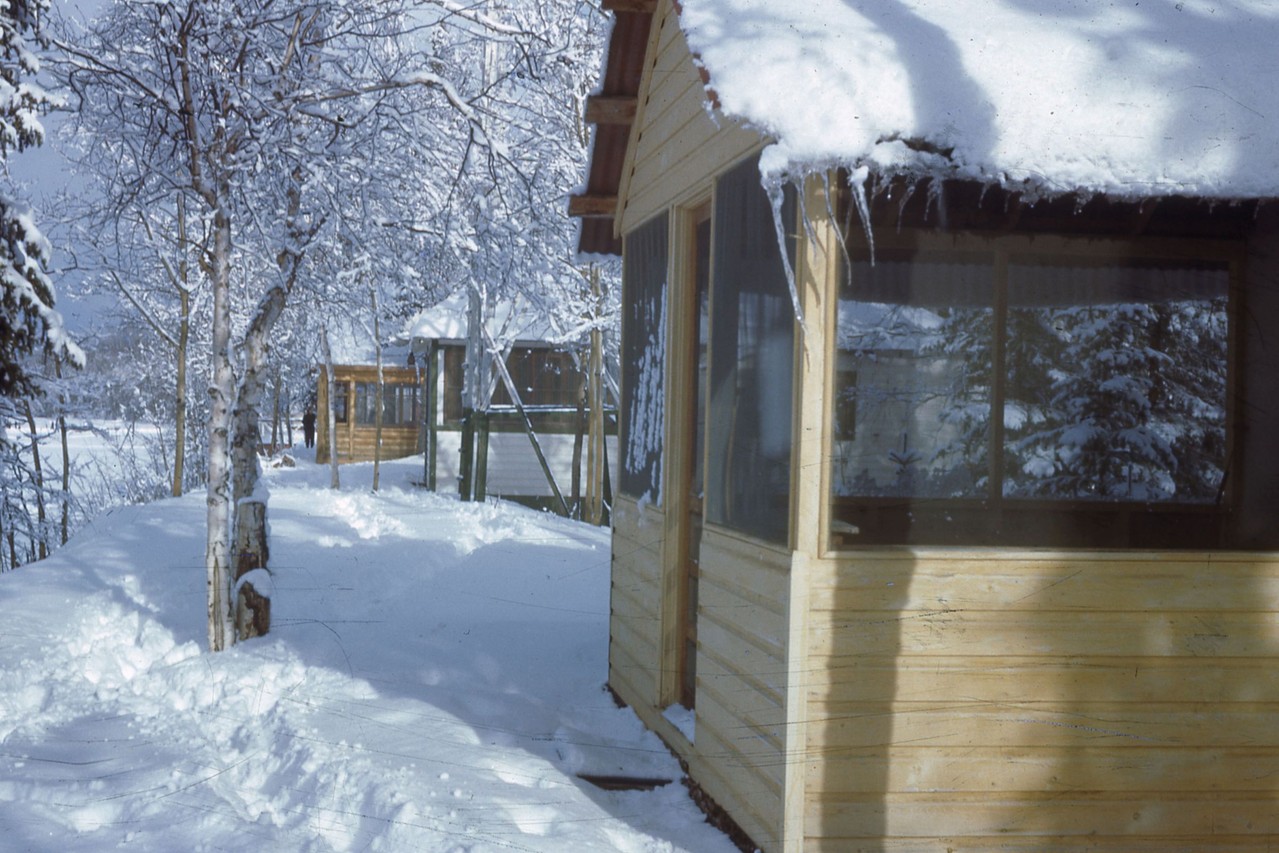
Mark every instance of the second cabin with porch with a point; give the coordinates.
(355, 412)
(948, 491)
(423, 407)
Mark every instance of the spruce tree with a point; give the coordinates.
(27, 319)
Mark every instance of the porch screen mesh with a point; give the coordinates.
(751, 362)
(643, 417)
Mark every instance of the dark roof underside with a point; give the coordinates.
(626, 49)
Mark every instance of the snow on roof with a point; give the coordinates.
(446, 321)
(350, 347)
(1135, 98)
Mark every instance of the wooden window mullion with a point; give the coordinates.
(998, 380)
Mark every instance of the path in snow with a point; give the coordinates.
(433, 682)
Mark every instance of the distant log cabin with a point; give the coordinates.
(354, 410)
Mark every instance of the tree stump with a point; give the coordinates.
(252, 607)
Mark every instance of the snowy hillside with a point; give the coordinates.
(434, 682)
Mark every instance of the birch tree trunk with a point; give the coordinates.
(221, 393)
(184, 336)
(180, 416)
(276, 435)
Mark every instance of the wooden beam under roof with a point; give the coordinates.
(611, 109)
(592, 205)
(647, 7)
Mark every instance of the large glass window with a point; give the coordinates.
(399, 404)
(913, 376)
(752, 331)
(1116, 380)
(340, 402)
(1003, 395)
(643, 417)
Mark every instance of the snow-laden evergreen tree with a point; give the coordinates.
(28, 321)
(1112, 400)
(1120, 402)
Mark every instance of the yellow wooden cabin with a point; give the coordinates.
(355, 410)
(982, 555)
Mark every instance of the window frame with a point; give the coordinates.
(401, 400)
(1004, 521)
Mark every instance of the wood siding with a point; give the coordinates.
(513, 468)
(999, 700)
(739, 754)
(635, 610)
(675, 146)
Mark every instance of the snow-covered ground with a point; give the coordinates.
(433, 682)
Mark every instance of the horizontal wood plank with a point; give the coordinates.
(746, 691)
(1048, 844)
(634, 600)
(1167, 582)
(635, 684)
(1140, 680)
(1004, 770)
(614, 109)
(755, 779)
(592, 205)
(1050, 634)
(740, 650)
(835, 727)
(637, 636)
(1046, 814)
(639, 6)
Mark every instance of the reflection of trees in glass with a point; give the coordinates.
(1117, 402)
(913, 406)
(966, 338)
(1112, 380)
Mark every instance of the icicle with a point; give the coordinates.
(806, 221)
(907, 195)
(774, 188)
(937, 199)
(844, 228)
(857, 180)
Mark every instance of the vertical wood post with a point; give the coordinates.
(431, 405)
(379, 395)
(579, 431)
(594, 390)
(481, 455)
(466, 455)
